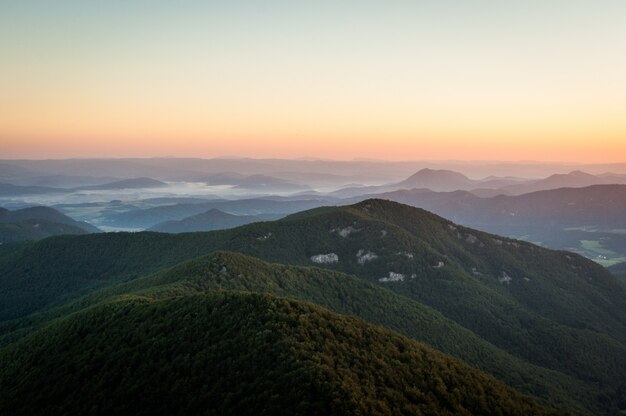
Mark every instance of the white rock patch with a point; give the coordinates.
(505, 278)
(329, 258)
(264, 237)
(364, 256)
(405, 254)
(476, 272)
(383, 233)
(471, 239)
(344, 232)
(393, 277)
(439, 265)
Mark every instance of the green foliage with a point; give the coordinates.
(226, 353)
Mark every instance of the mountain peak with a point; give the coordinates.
(437, 179)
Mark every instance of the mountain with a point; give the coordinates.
(594, 205)
(619, 270)
(260, 183)
(342, 294)
(60, 181)
(38, 222)
(574, 179)
(7, 189)
(256, 183)
(441, 180)
(237, 353)
(553, 310)
(135, 183)
(213, 219)
(149, 217)
(585, 220)
(34, 230)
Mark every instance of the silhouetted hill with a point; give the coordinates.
(135, 183)
(443, 180)
(7, 189)
(256, 183)
(149, 217)
(213, 219)
(574, 179)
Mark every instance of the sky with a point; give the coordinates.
(398, 80)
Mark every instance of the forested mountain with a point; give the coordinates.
(585, 220)
(35, 230)
(229, 353)
(601, 205)
(342, 294)
(554, 310)
(619, 270)
(38, 222)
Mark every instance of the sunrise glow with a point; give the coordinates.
(389, 80)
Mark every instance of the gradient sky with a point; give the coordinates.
(474, 79)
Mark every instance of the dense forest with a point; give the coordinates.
(229, 353)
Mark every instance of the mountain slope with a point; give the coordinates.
(213, 219)
(619, 270)
(35, 223)
(565, 218)
(342, 294)
(35, 230)
(237, 353)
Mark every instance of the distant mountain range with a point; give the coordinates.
(574, 179)
(448, 181)
(213, 219)
(551, 324)
(255, 183)
(585, 220)
(335, 172)
(135, 183)
(601, 205)
(150, 217)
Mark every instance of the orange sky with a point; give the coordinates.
(464, 80)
